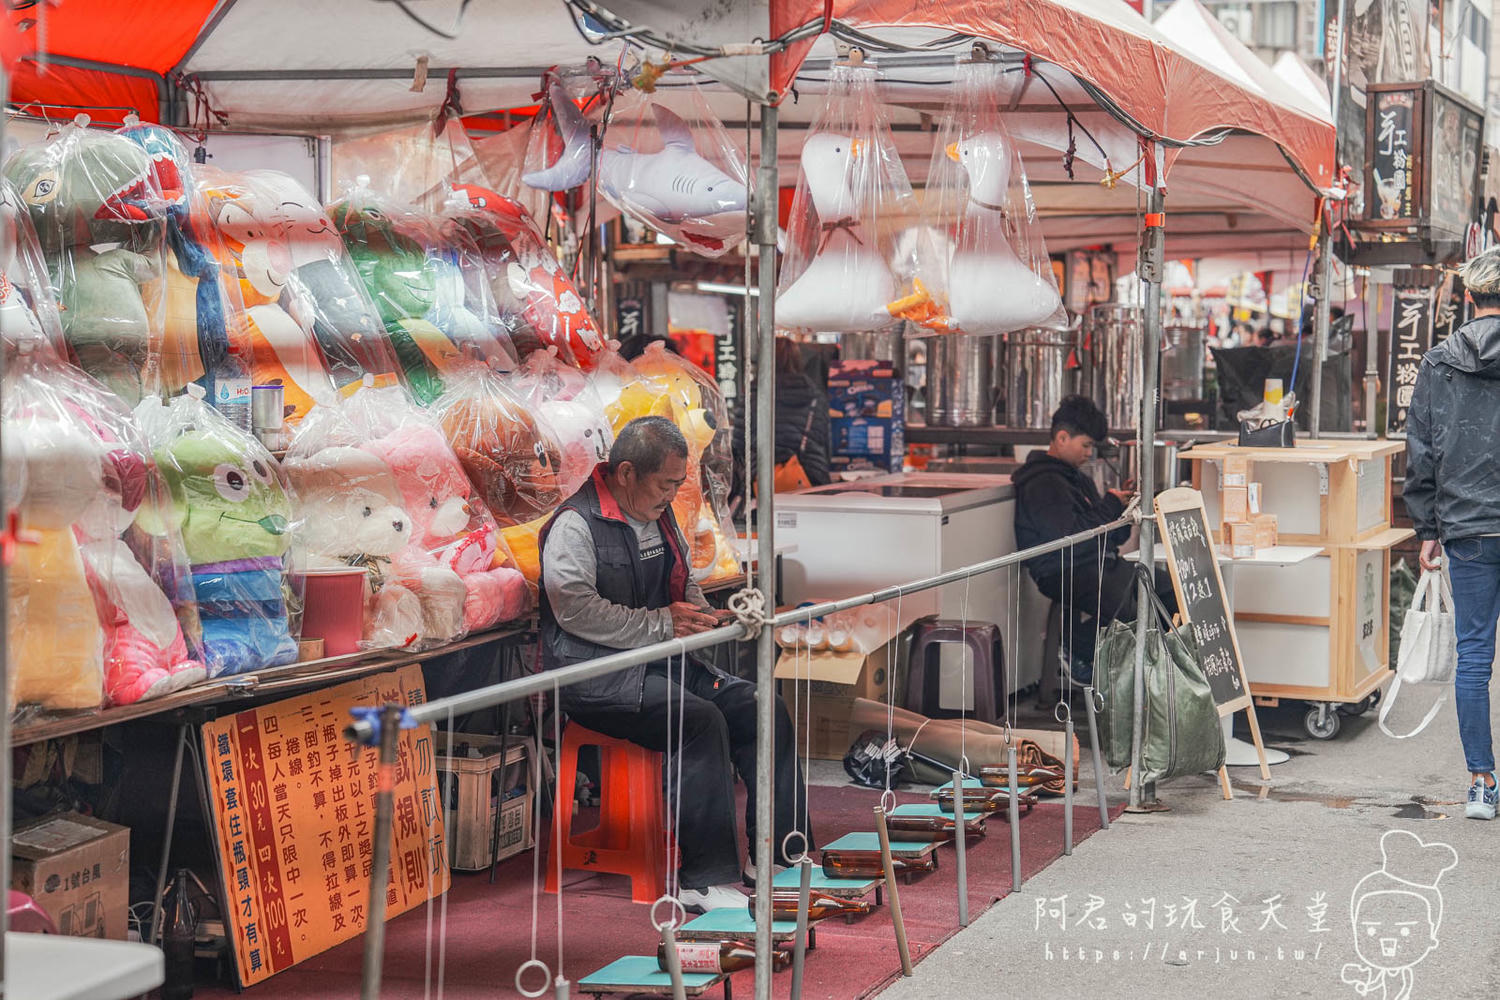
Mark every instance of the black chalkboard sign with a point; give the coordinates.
(1194, 566)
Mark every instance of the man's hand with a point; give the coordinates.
(689, 619)
(1432, 555)
(1123, 495)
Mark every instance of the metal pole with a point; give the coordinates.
(1068, 787)
(765, 553)
(799, 945)
(960, 846)
(1014, 812)
(890, 881)
(390, 733)
(1088, 693)
(1153, 252)
(166, 842)
(1322, 307)
(7, 817)
(1372, 353)
(674, 961)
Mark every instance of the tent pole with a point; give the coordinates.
(1150, 268)
(1322, 305)
(765, 554)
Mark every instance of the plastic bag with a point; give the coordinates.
(673, 387)
(1429, 650)
(566, 400)
(282, 350)
(235, 512)
(463, 308)
(526, 278)
(683, 177)
(384, 490)
(101, 224)
(991, 274)
(409, 165)
(836, 275)
(199, 306)
(28, 309)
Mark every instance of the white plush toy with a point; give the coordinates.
(351, 510)
(847, 284)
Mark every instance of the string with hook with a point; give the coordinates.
(963, 699)
(449, 804)
(557, 848)
(895, 633)
(536, 873)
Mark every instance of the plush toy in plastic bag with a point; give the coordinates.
(836, 275)
(195, 344)
(690, 398)
(235, 513)
(687, 181)
(526, 276)
(28, 309)
(325, 295)
(101, 224)
(565, 399)
(256, 256)
(463, 308)
(992, 273)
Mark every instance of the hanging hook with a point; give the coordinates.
(535, 963)
(786, 851)
(678, 912)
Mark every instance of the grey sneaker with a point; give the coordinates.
(1482, 800)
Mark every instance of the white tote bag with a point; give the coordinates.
(1428, 653)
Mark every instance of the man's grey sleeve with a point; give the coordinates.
(569, 572)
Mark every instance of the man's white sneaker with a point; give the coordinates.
(715, 897)
(749, 873)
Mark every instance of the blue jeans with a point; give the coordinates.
(1474, 568)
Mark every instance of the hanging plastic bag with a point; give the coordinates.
(836, 274)
(463, 308)
(526, 278)
(409, 165)
(990, 273)
(200, 343)
(565, 398)
(1429, 648)
(235, 512)
(101, 224)
(680, 174)
(28, 308)
(255, 254)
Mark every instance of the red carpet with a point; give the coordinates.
(489, 927)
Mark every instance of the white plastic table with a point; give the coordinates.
(54, 967)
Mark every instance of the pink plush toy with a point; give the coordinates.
(452, 531)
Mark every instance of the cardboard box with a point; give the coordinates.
(1239, 540)
(881, 442)
(1236, 471)
(824, 685)
(77, 868)
(473, 787)
(1253, 499)
(1265, 530)
(1236, 504)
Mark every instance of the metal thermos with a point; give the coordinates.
(268, 415)
(1036, 376)
(960, 381)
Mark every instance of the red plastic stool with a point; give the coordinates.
(630, 839)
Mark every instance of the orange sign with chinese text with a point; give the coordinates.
(294, 811)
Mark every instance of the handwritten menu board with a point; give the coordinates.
(294, 806)
(1194, 566)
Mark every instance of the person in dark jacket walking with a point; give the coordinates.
(1453, 497)
(801, 422)
(615, 575)
(1055, 499)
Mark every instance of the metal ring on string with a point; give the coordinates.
(887, 801)
(963, 765)
(786, 851)
(1098, 699)
(1063, 712)
(681, 915)
(535, 963)
(1007, 733)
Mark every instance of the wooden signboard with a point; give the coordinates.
(294, 812)
(1192, 560)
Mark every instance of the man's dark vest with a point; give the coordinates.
(620, 579)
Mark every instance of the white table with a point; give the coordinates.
(53, 967)
(1238, 753)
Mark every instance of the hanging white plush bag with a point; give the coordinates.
(1428, 653)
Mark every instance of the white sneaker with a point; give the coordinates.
(715, 897)
(749, 873)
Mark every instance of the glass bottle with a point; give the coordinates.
(998, 776)
(179, 933)
(819, 904)
(867, 864)
(714, 957)
(928, 827)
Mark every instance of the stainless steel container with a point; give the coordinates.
(1115, 372)
(268, 415)
(1036, 375)
(879, 345)
(960, 381)
(1182, 362)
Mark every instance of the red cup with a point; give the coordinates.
(333, 608)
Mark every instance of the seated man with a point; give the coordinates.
(1055, 499)
(615, 576)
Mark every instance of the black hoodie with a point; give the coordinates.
(1053, 500)
(1453, 436)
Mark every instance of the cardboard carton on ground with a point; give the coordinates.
(77, 868)
(820, 689)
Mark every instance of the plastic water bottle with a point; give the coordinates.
(179, 933)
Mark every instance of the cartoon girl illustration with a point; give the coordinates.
(1396, 912)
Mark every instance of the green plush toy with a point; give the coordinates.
(395, 272)
(101, 226)
(235, 515)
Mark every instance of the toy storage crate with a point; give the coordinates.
(1322, 492)
(473, 787)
